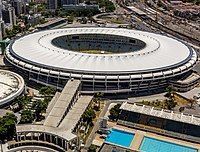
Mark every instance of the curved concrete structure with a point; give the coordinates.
(11, 86)
(52, 137)
(41, 147)
(104, 59)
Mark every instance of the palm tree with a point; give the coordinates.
(170, 91)
(98, 97)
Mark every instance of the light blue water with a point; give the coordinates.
(119, 137)
(154, 145)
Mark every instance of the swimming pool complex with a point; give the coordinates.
(155, 145)
(119, 137)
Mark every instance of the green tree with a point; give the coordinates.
(10, 116)
(109, 6)
(99, 95)
(32, 4)
(41, 7)
(47, 100)
(47, 91)
(10, 33)
(89, 115)
(26, 116)
(3, 131)
(22, 101)
(40, 107)
(170, 104)
(10, 127)
(97, 99)
(92, 148)
(7, 126)
(46, 14)
(114, 112)
(170, 92)
(71, 18)
(42, 21)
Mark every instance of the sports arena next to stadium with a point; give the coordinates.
(103, 59)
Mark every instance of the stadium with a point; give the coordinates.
(109, 60)
(11, 86)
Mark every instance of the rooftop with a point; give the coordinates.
(11, 85)
(67, 135)
(162, 113)
(75, 113)
(64, 100)
(55, 20)
(161, 53)
(138, 11)
(190, 78)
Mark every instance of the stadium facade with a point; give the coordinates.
(104, 59)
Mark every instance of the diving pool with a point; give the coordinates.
(155, 145)
(119, 137)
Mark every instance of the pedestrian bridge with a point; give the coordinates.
(58, 131)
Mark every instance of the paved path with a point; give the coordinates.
(137, 140)
(96, 127)
(148, 97)
(191, 93)
(1, 60)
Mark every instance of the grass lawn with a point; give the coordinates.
(180, 100)
(95, 52)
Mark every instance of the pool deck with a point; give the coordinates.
(139, 135)
(135, 144)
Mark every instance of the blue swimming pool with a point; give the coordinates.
(120, 138)
(154, 145)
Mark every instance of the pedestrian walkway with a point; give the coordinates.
(63, 115)
(67, 98)
(74, 115)
(135, 144)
